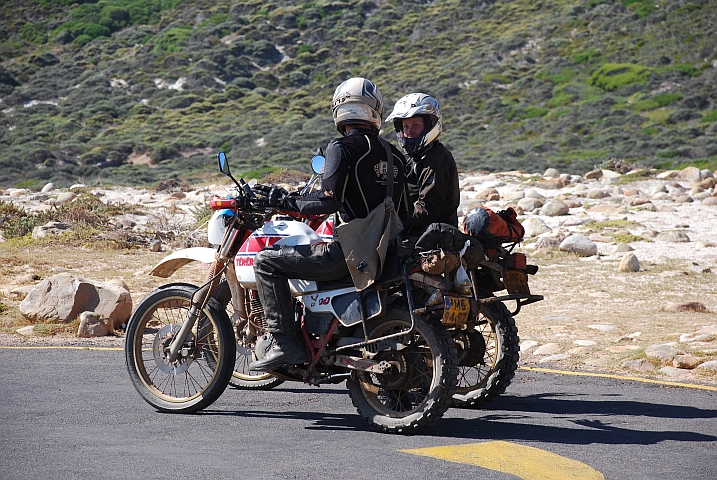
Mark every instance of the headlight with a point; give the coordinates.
(217, 227)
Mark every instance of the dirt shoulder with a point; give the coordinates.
(594, 318)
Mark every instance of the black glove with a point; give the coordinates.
(276, 197)
(242, 201)
(290, 202)
(261, 189)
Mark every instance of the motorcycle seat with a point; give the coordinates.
(335, 284)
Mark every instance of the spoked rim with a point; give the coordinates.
(474, 377)
(197, 366)
(245, 348)
(406, 387)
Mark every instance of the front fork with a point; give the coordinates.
(204, 293)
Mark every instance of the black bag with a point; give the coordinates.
(442, 236)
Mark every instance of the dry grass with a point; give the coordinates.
(19, 261)
(592, 292)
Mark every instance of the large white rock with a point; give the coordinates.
(93, 325)
(64, 296)
(534, 227)
(580, 245)
(629, 263)
(555, 208)
(609, 177)
(690, 174)
(709, 365)
(50, 228)
(547, 349)
(551, 173)
(662, 352)
(529, 204)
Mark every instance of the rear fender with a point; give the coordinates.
(180, 258)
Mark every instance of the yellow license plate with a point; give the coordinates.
(516, 281)
(457, 310)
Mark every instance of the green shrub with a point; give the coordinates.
(710, 116)
(114, 17)
(82, 40)
(642, 7)
(34, 32)
(560, 99)
(687, 8)
(612, 76)
(660, 116)
(667, 154)
(496, 78)
(216, 19)
(163, 152)
(644, 105)
(563, 75)
(685, 68)
(667, 98)
(586, 56)
(173, 39)
(94, 30)
(533, 112)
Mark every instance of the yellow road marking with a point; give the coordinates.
(47, 347)
(528, 463)
(619, 377)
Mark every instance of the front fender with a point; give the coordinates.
(180, 258)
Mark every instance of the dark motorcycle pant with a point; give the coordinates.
(274, 267)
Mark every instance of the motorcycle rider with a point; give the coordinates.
(432, 175)
(353, 184)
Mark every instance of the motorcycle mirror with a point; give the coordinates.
(224, 168)
(223, 164)
(317, 163)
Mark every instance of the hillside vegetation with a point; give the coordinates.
(137, 91)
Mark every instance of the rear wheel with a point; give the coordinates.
(416, 390)
(201, 372)
(488, 356)
(242, 377)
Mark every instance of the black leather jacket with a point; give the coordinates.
(433, 190)
(354, 180)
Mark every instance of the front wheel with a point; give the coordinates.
(487, 357)
(201, 372)
(416, 390)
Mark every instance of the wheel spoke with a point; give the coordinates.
(190, 375)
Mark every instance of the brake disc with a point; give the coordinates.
(160, 351)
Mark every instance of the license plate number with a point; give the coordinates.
(516, 281)
(457, 310)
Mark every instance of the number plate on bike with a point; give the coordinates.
(457, 310)
(516, 281)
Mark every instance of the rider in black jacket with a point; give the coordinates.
(432, 176)
(354, 183)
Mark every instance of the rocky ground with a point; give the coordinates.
(626, 262)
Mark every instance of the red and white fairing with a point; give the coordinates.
(278, 232)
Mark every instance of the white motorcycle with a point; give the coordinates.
(400, 365)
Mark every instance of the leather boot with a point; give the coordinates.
(286, 351)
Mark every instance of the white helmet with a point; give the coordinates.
(414, 105)
(357, 100)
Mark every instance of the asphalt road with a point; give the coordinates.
(68, 413)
